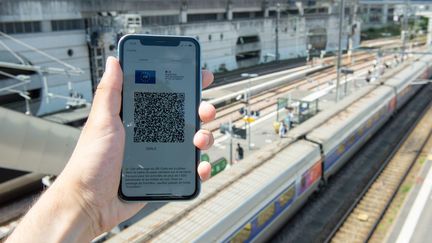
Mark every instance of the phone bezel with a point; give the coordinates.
(159, 40)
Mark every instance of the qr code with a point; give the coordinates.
(159, 117)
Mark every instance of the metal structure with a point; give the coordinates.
(339, 56)
(24, 80)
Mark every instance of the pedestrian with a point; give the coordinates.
(289, 118)
(240, 152)
(282, 129)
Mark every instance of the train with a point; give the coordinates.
(336, 140)
(252, 201)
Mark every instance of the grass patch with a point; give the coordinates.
(405, 188)
(422, 159)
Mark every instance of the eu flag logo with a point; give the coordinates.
(145, 77)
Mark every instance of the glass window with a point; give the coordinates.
(9, 28)
(37, 26)
(28, 27)
(201, 17)
(243, 234)
(287, 196)
(241, 15)
(69, 24)
(266, 214)
(19, 28)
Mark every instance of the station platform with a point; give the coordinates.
(414, 221)
(225, 94)
(262, 129)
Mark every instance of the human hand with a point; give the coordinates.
(92, 174)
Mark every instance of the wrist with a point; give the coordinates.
(77, 212)
(70, 219)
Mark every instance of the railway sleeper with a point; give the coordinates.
(354, 230)
(372, 207)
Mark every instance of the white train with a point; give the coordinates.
(337, 140)
(259, 196)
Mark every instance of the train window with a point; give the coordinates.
(376, 117)
(369, 123)
(287, 196)
(243, 234)
(361, 131)
(341, 149)
(352, 139)
(266, 214)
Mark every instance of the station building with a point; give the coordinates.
(233, 33)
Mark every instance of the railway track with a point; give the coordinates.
(323, 213)
(264, 101)
(362, 219)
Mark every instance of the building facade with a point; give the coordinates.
(233, 33)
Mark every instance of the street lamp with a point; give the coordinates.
(248, 110)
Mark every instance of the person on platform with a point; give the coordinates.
(82, 203)
(240, 152)
(282, 129)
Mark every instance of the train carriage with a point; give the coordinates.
(252, 207)
(341, 136)
(403, 82)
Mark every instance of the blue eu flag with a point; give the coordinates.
(145, 77)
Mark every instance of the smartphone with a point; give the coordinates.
(160, 98)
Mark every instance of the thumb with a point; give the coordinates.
(107, 99)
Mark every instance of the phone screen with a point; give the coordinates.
(161, 92)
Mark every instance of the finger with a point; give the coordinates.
(207, 78)
(204, 170)
(207, 112)
(107, 100)
(203, 139)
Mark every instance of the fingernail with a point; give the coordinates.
(108, 62)
(207, 138)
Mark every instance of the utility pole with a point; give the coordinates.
(404, 30)
(338, 65)
(248, 107)
(352, 23)
(231, 142)
(277, 31)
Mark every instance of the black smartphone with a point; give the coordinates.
(161, 94)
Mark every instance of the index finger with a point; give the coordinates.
(207, 78)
